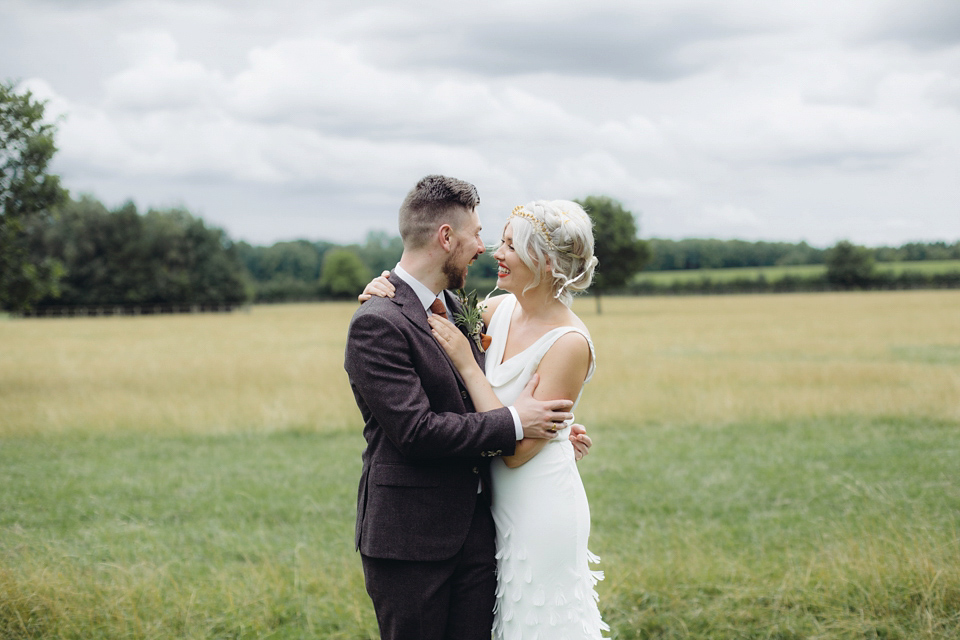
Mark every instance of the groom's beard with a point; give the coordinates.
(456, 275)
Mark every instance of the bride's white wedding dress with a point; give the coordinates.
(545, 588)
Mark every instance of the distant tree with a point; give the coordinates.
(705, 253)
(298, 260)
(27, 193)
(190, 262)
(380, 251)
(122, 257)
(915, 251)
(850, 266)
(284, 271)
(343, 274)
(801, 253)
(620, 252)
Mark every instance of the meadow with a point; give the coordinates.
(764, 467)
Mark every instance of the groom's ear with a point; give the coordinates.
(444, 236)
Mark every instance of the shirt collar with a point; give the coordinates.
(425, 295)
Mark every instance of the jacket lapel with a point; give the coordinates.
(409, 303)
(412, 308)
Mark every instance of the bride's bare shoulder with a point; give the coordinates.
(566, 363)
(490, 306)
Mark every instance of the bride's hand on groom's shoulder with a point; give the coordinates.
(379, 286)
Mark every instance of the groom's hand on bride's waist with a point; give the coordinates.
(541, 418)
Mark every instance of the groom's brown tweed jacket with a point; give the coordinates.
(426, 449)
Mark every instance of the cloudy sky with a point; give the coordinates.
(792, 120)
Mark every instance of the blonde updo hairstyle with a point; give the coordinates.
(562, 230)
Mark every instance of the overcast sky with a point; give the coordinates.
(811, 120)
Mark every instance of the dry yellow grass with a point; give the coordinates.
(684, 360)
(729, 358)
(276, 367)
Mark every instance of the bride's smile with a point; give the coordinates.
(512, 274)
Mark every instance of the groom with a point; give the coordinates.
(424, 529)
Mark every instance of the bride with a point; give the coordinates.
(545, 587)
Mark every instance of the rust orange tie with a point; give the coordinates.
(438, 308)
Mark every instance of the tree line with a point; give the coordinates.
(104, 257)
(694, 253)
(847, 267)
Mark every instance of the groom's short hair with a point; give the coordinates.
(434, 201)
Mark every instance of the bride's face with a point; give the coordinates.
(512, 274)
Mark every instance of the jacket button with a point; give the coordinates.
(463, 394)
(476, 470)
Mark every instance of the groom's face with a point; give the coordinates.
(467, 247)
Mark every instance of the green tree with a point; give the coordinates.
(703, 253)
(27, 193)
(297, 260)
(620, 252)
(122, 257)
(284, 271)
(381, 251)
(343, 274)
(849, 266)
(190, 262)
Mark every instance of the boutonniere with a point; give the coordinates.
(471, 318)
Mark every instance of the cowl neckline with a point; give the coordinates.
(499, 370)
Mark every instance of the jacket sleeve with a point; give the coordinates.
(391, 390)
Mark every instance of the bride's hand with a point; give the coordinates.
(453, 342)
(379, 286)
(580, 440)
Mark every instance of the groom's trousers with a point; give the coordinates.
(443, 600)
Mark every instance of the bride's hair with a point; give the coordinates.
(562, 231)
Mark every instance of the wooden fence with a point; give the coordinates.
(84, 311)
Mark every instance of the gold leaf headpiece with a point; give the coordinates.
(520, 212)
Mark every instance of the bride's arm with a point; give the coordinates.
(457, 347)
(562, 372)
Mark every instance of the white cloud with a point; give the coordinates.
(157, 79)
(730, 221)
(784, 120)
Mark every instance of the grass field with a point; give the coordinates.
(764, 467)
(773, 274)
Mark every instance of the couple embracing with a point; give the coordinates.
(471, 515)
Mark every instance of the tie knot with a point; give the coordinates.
(438, 309)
